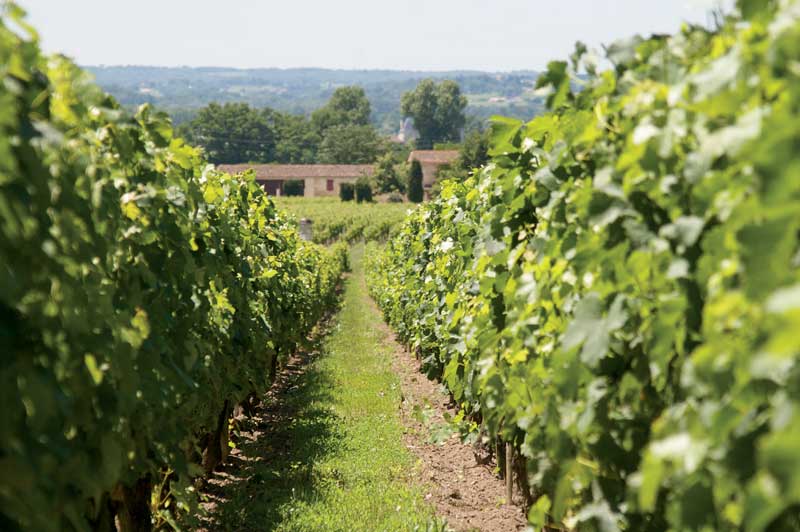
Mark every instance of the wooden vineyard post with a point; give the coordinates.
(509, 473)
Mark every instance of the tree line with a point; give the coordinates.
(183, 91)
(339, 132)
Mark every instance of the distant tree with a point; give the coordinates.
(349, 144)
(450, 106)
(437, 111)
(232, 133)
(475, 123)
(388, 176)
(420, 104)
(363, 189)
(399, 151)
(348, 106)
(182, 115)
(416, 192)
(384, 89)
(294, 187)
(474, 152)
(347, 192)
(296, 140)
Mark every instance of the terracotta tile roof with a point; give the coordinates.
(434, 156)
(300, 171)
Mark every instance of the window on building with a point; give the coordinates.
(330, 185)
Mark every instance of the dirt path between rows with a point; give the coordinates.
(249, 490)
(469, 495)
(243, 493)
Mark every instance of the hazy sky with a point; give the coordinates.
(398, 34)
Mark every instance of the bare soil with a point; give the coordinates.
(233, 493)
(468, 494)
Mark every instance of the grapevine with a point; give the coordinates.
(142, 295)
(616, 293)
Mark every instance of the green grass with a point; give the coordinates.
(335, 459)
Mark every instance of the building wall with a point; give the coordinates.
(317, 187)
(429, 173)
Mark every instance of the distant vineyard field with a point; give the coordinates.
(333, 219)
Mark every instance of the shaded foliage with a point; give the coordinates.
(294, 187)
(232, 133)
(347, 191)
(296, 140)
(416, 192)
(363, 189)
(390, 174)
(349, 144)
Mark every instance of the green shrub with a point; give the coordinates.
(294, 187)
(363, 190)
(347, 192)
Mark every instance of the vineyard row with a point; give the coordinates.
(144, 296)
(617, 294)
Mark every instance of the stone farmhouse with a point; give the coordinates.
(431, 160)
(318, 179)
